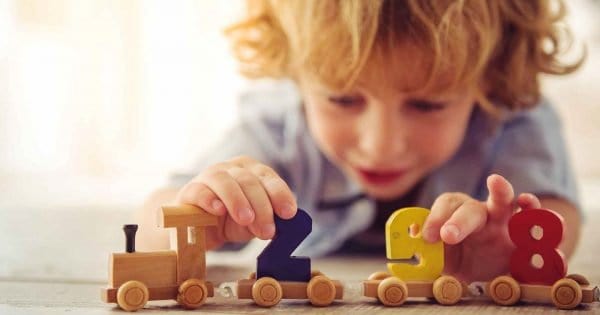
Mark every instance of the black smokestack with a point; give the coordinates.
(130, 230)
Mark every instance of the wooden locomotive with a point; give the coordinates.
(137, 277)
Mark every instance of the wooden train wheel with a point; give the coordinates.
(378, 275)
(132, 295)
(505, 290)
(566, 294)
(320, 291)
(392, 291)
(267, 292)
(315, 273)
(192, 293)
(252, 275)
(447, 290)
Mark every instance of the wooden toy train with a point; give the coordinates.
(135, 277)
(180, 274)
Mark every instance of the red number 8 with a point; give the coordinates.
(520, 230)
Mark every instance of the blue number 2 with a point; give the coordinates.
(276, 261)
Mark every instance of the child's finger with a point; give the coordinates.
(230, 193)
(234, 232)
(280, 194)
(263, 226)
(470, 217)
(197, 193)
(528, 201)
(442, 209)
(500, 202)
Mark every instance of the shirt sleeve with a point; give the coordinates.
(264, 131)
(530, 152)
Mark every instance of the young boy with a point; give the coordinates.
(401, 103)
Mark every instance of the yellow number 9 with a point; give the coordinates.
(404, 241)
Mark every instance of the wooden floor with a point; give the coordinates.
(44, 296)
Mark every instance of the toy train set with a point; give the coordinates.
(138, 277)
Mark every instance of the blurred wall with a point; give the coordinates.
(99, 92)
(577, 98)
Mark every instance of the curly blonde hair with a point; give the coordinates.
(497, 47)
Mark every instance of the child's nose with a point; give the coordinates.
(382, 139)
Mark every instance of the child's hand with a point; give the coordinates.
(244, 193)
(478, 246)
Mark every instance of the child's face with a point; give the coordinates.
(386, 139)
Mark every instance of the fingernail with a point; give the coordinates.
(429, 235)
(217, 205)
(245, 215)
(287, 211)
(452, 230)
(268, 230)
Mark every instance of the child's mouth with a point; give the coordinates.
(380, 177)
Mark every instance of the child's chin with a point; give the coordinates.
(384, 193)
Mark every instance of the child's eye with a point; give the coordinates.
(346, 101)
(426, 106)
